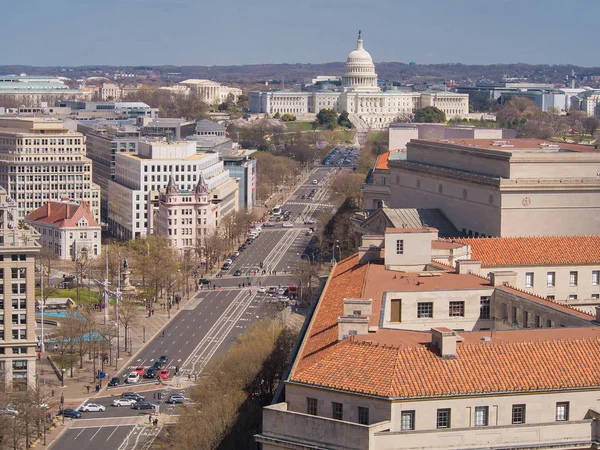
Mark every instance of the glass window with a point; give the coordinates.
(337, 410)
(443, 418)
(538, 322)
(408, 420)
(572, 278)
(311, 406)
(550, 278)
(457, 309)
(399, 247)
(529, 279)
(481, 416)
(425, 310)
(518, 414)
(562, 411)
(363, 415)
(484, 307)
(514, 315)
(595, 277)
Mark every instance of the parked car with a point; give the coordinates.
(309, 222)
(70, 413)
(144, 405)
(204, 281)
(140, 370)
(237, 273)
(92, 407)
(5, 410)
(164, 374)
(133, 377)
(272, 290)
(123, 402)
(268, 225)
(309, 232)
(226, 266)
(176, 398)
(315, 181)
(114, 381)
(133, 395)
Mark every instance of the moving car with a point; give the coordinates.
(268, 225)
(262, 290)
(288, 225)
(150, 372)
(237, 273)
(144, 405)
(124, 402)
(309, 232)
(272, 290)
(92, 407)
(133, 377)
(204, 281)
(71, 413)
(176, 398)
(140, 370)
(309, 222)
(164, 374)
(157, 365)
(315, 181)
(163, 359)
(226, 266)
(114, 381)
(133, 395)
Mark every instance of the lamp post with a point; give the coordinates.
(62, 378)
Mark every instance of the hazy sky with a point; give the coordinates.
(200, 32)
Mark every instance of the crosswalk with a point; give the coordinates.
(322, 205)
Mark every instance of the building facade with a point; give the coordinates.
(41, 161)
(211, 92)
(242, 167)
(34, 90)
(503, 188)
(359, 95)
(139, 178)
(67, 229)
(185, 217)
(18, 249)
(401, 353)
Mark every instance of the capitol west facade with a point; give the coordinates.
(359, 95)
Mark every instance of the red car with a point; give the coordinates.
(140, 370)
(164, 374)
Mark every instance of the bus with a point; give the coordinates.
(277, 210)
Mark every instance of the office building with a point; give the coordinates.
(41, 161)
(242, 167)
(405, 353)
(32, 90)
(18, 249)
(67, 229)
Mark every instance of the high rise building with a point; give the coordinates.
(18, 248)
(40, 161)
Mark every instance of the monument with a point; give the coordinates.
(126, 286)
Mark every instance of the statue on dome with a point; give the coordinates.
(359, 34)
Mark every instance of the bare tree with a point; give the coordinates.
(127, 317)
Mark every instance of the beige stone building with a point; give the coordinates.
(517, 187)
(211, 92)
(18, 249)
(40, 161)
(404, 353)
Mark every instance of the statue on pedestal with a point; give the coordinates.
(125, 283)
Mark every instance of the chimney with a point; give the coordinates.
(358, 307)
(503, 278)
(48, 208)
(444, 340)
(352, 326)
(468, 266)
(597, 313)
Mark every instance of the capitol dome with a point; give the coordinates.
(359, 73)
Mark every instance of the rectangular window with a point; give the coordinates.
(363, 415)
(457, 309)
(550, 297)
(484, 307)
(548, 324)
(481, 416)
(425, 310)
(572, 278)
(525, 319)
(572, 297)
(529, 279)
(408, 420)
(514, 315)
(337, 411)
(538, 322)
(562, 411)
(399, 247)
(595, 277)
(311, 406)
(518, 414)
(550, 276)
(596, 296)
(443, 418)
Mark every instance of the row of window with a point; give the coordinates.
(18, 334)
(538, 320)
(551, 278)
(455, 309)
(17, 303)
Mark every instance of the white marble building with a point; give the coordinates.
(360, 96)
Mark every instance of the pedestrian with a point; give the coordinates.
(189, 376)
(176, 369)
(195, 378)
(52, 392)
(155, 422)
(88, 389)
(150, 418)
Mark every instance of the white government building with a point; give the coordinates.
(359, 95)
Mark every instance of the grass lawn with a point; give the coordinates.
(349, 135)
(299, 126)
(93, 297)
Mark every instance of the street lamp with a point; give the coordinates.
(62, 378)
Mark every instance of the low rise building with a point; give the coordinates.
(211, 92)
(67, 229)
(33, 90)
(404, 353)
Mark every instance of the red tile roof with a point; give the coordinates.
(382, 161)
(63, 214)
(534, 251)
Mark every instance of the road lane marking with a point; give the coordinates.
(95, 433)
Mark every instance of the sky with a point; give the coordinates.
(237, 32)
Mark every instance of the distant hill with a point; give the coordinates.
(296, 73)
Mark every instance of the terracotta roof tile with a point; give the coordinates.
(382, 161)
(62, 214)
(534, 251)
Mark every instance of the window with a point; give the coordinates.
(363, 415)
(595, 277)
(457, 309)
(396, 312)
(538, 322)
(529, 279)
(407, 420)
(572, 297)
(596, 296)
(550, 279)
(481, 416)
(562, 411)
(548, 324)
(425, 310)
(572, 278)
(550, 297)
(337, 411)
(443, 418)
(514, 315)
(311, 406)
(518, 414)
(525, 319)
(399, 247)
(484, 307)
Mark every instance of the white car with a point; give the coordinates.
(288, 225)
(124, 402)
(133, 377)
(262, 290)
(92, 407)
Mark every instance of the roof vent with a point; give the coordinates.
(486, 339)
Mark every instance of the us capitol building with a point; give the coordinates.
(368, 106)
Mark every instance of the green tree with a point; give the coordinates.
(288, 118)
(430, 114)
(344, 120)
(327, 118)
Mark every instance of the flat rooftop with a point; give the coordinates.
(517, 145)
